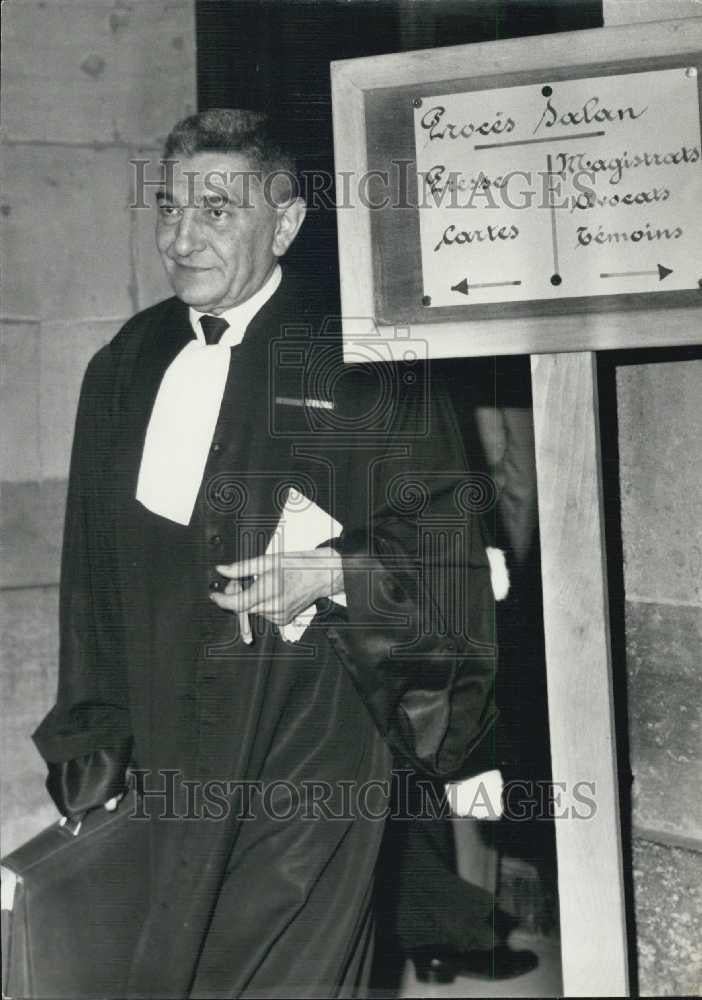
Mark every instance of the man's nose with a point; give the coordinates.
(188, 236)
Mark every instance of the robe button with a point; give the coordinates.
(215, 584)
(215, 540)
(216, 448)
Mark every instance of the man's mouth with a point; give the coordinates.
(190, 267)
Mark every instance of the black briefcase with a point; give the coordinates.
(79, 903)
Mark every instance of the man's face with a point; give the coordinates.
(219, 231)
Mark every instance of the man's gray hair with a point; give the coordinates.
(228, 130)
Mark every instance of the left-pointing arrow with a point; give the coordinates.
(463, 285)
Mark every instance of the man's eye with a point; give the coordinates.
(218, 213)
(168, 211)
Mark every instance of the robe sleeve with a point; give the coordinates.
(85, 738)
(418, 635)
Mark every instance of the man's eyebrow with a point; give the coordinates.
(219, 200)
(208, 201)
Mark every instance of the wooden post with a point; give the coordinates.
(578, 664)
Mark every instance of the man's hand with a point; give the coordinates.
(284, 584)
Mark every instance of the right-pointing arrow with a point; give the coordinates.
(661, 271)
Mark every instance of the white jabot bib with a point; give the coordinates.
(186, 410)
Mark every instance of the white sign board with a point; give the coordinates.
(557, 190)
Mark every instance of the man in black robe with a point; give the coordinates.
(194, 425)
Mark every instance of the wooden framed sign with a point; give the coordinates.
(547, 180)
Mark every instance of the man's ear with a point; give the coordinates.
(290, 218)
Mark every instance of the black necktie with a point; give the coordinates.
(213, 327)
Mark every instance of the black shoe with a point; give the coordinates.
(501, 962)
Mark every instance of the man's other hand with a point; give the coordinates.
(283, 585)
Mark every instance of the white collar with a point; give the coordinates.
(239, 317)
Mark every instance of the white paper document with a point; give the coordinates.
(303, 525)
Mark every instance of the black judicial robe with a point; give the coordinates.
(270, 898)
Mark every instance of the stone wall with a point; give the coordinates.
(660, 445)
(87, 86)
